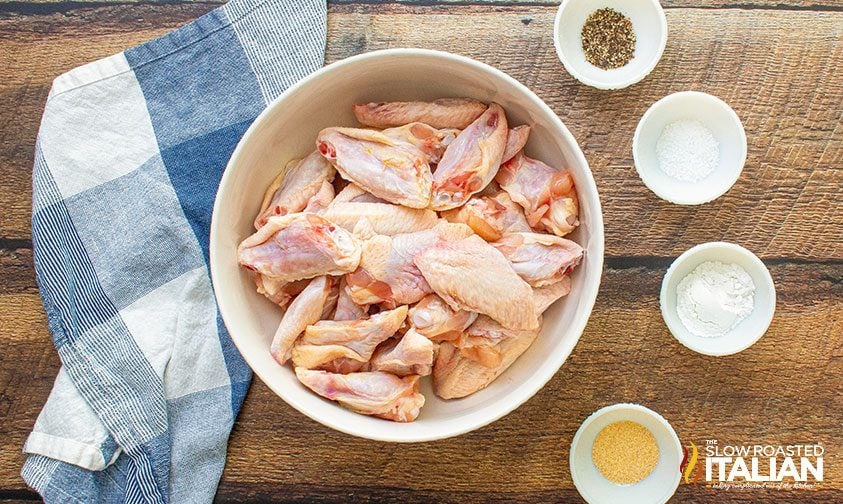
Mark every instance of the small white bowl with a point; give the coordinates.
(725, 126)
(648, 22)
(750, 329)
(656, 488)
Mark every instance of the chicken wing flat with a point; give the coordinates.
(547, 195)
(387, 273)
(411, 355)
(471, 161)
(306, 309)
(298, 246)
(471, 275)
(393, 165)
(540, 259)
(350, 340)
(434, 319)
(490, 216)
(546, 296)
(385, 218)
(353, 193)
(515, 142)
(374, 393)
(290, 192)
(443, 113)
(455, 375)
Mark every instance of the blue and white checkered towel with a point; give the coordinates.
(129, 154)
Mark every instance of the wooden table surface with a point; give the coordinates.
(778, 63)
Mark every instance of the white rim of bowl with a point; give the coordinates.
(557, 22)
(691, 252)
(666, 101)
(545, 371)
(622, 406)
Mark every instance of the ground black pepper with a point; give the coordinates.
(608, 39)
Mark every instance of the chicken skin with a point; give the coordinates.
(353, 193)
(345, 346)
(434, 319)
(411, 355)
(471, 161)
(490, 216)
(515, 142)
(455, 375)
(547, 195)
(540, 259)
(292, 189)
(387, 273)
(393, 165)
(385, 219)
(306, 309)
(298, 246)
(443, 113)
(346, 308)
(471, 275)
(374, 393)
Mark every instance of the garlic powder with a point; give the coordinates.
(714, 298)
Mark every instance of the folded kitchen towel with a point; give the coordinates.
(129, 154)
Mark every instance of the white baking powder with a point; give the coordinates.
(687, 151)
(714, 298)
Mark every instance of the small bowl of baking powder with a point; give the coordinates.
(718, 298)
(689, 148)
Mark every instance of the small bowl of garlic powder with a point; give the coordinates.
(689, 148)
(718, 298)
(625, 453)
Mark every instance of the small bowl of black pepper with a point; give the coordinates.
(610, 44)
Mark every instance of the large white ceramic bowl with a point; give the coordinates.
(287, 129)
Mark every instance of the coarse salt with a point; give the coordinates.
(687, 151)
(714, 298)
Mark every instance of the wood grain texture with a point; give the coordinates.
(779, 70)
(814, 5)
(783, 389)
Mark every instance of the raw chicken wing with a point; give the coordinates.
(490, 216)
(386, 219)
(374, 393)
(433, 318)
(540, 259)
(515, 141)
(278, 291)
(443, 113)
(347, 309)
(353, 193)
(387, 273)
(299, 246)
(455, 375)
(546, 296)
(547, 195)
(320, 201)
(471, 161)
(411, 355)
(345, 346)
(292, 189)
(470, 274)
(306, 309)
(392, 164)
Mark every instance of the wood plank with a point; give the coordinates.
(781, 71)
(64, 5)
(783, 389)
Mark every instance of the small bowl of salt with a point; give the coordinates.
(718, 298)
(689, 148)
